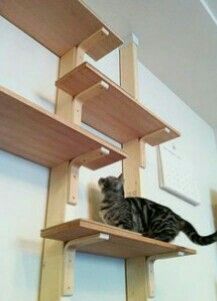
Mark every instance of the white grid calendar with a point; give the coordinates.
(176, 174)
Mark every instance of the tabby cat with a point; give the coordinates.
(144, 216)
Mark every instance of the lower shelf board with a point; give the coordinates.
(121, 243)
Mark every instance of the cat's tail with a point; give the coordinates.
(190, 231)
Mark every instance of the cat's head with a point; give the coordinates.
(111, 184)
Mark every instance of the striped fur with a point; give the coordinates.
(144, 216)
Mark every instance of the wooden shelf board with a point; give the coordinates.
(58, 25)
(114, 112)
(28, 131)
(122, 243)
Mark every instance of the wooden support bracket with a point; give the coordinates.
(150, 270)
(86, 160)
(93, 41)
(69, 259)
(157, 137)
(85, 96)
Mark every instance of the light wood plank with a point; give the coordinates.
(59, 25)
(114, 112)
(122, 243)
(135, 270)
(90, 45)
(64, 106)
(80, 99)
(131, 168)
(157, 137)
(37, 135)
(84, 160)
(52, 255)
(129, 69)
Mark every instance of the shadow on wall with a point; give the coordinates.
(213, 196)
(28, 262)
(216, 289)
(94, 199)
(47, 104)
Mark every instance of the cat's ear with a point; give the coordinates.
(121, 178)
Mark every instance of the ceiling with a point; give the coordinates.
(177, 43)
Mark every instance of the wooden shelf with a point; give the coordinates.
(59, 25)
(122, 243)
(28, 131)
(114, 112)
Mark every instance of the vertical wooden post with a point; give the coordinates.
(52, 256)
(135, 148)
(135, 267)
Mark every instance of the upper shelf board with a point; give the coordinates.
(121, 243)
(29, 131)
(59, 25)
(114, 113)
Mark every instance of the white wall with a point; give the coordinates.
(215, 130)
(30, 70)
